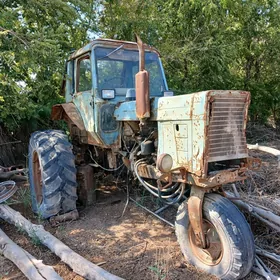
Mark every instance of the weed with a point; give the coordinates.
(159, 275)
(20, 229)
(40, 218)
(35, 239)
(160, 270)
(23, 196)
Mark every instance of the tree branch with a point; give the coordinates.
(32, 268)
(14, 34)
(79, 264)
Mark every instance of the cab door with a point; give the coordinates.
(107, 127)
(83, 96)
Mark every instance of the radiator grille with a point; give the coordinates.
(226, 134)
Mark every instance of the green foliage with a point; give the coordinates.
(213, 44)
(158, 273)
(23, 197)
(35, 40)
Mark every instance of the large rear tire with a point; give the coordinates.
(52, 173)
(230, 251)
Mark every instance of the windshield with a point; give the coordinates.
(116, 69)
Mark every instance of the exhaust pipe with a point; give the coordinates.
(143, 110)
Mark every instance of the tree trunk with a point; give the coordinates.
(265, 216)
(79, 264)
(32, 268)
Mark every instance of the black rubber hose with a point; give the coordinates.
(173, 201)
(150, 187)
(167, 199)
(170, 189)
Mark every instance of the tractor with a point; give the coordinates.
(181, 148)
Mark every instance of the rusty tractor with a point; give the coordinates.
(182, 149)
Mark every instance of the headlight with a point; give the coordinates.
(164, 163)
(168, 93)
(108, 93)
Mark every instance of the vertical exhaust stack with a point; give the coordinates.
(143, 110)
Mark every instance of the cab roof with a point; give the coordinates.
(110, 43)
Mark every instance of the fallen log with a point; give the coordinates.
(79, 264)
(261, 269)
(265, 149)
(32, 268)
(265, 216)
(272, 256)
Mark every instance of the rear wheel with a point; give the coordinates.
(230, 249)
(52, 173)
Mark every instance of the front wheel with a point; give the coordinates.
(230, 251)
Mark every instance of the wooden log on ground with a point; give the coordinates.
(265, 216)
(79, 264)
(32, 268)
(261, 269)
(265, 149)
(272, 256)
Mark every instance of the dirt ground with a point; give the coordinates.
(134, 246)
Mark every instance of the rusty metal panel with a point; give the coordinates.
(216, 122)
(175, 140)
(69, 109)
(181, 124)
(142, 95)
(84, 104)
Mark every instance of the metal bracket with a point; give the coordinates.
(195, 203)
(254, 163)
(168, 176)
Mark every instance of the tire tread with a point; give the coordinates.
(58, 172)
(228, 216)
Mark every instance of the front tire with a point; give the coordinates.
(233, 251)
(52, 173)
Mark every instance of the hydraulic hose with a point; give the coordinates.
(150, 187)
(170, 199)
(170, 189)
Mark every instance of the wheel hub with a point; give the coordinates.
(37, 178)
(213, 252)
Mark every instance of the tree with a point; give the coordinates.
(35, 39)
(213, 44)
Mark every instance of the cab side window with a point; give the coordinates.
(84, 79)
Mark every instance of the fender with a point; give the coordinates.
(69, 113)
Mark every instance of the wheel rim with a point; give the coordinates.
(213, 253)
(37, 177)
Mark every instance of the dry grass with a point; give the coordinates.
(262, 189)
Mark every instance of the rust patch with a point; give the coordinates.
(195, 215)
(87, 186)
(69, 113)
(181, 175)
(143, 105)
